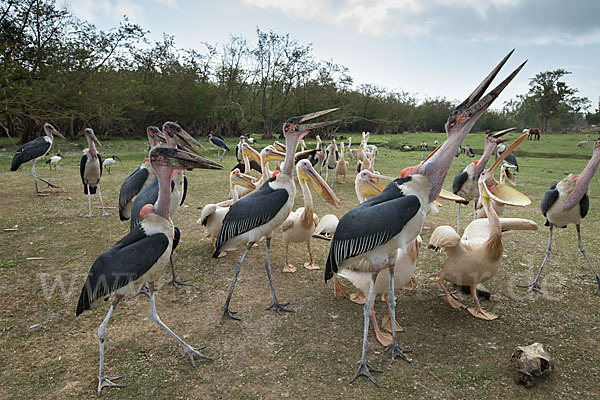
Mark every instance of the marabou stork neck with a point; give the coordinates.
(219, 144)
(258, 214)
(90, 169)
(465, 182)
(377, 228)
(34, 150)
(567, 202)
(141, 255)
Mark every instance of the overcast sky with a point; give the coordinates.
(428, 48)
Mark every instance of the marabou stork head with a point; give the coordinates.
(50, 130)
(175, 135)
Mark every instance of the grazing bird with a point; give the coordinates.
(567, 202)
(107, 163)
(138, 179)
(511, 159)
(476, 256)
(300, 224)
(140, 257)
(376, 229)
(54, 160)
(219, 144)
(584, 143)
(326, 227)
(34, 150)
(342, 166)
(258, 214)
(332, 156)
(90, 169)
(465, 182)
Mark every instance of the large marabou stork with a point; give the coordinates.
(377, 228)
(465, 182)
(90, 169)
(34, 150)
(138, 179)
(261, 212)
(219, 144)
(141, 255)
(567, 202)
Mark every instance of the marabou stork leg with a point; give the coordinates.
(479, 312)
(276, 306)
(89, 201)
(36, 178)
(586, 257)
(102, 380)
(226, 311)
(101, 202)
(174, 281)
(310, 265)
(187, 349)
(397, 351)
(534, 286)
(364, 368)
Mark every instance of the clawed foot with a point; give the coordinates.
(280, 307)
(311, 266)
(88, 215)
(104, 213)
(289, 268)
(365, 370)
(230, 314)
(534, 287)
(191, 352)
(108, 382)
(398, 352)
(143, 290)
(177, 283)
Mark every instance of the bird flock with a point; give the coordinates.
(375, 246)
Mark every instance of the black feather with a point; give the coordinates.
(30, 151)
(459, 181)
(131, 187)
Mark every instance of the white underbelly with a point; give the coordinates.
(91, 174)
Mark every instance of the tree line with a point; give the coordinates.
(56, 67)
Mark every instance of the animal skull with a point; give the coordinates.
(530, 361)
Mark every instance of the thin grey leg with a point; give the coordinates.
(586, 257)
(101, 202)
(276, 306)
(396, 350)
(458, 220)
(36, 178)
(226, 311)
(535, 286)
(89, 201)
(102, 380)
(174, 281)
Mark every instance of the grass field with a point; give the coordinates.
(46, 352)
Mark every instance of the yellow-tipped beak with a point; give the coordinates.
(274, 155)
(308, 174)
(372, 187)
(249, 152)
(244, 180)
(446, 195)
(279, 146)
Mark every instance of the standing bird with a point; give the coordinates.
(238, 149)
(219, 144)
(54, 160)
(35, 150)
(258, 214)
(90, 169)
(476, 256)
(567, 202)
(584, 143)
(141, 255)
(511, 159)
(342, 166)
(138, 179)
(300, 224)
(250, 139)
(110, 161)
(465, 182)
(469, 152)
(332, 157)
(376, 229)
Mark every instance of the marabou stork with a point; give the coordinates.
(300, 224)
(332, 157)
(465, 182)
(511, 159)
(141, 255)
(238, 149)
(54, 160)
(110, 161)
(219, 144)
(476, 256)
(567, 202)
(90, 169)
(376, 229)
(35, 150)
(342, 166)
(258, 214)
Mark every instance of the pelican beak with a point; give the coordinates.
(244, 180)
(306, 173)
(279, 146)
(496, 137)
(274, 155)
(179, 159)
(248, 151)
(446, 195)
(372, 187)
(303, 123)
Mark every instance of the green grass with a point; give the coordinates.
(48, 353)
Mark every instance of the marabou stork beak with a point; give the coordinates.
(185, 139)
(250, 152)
(303, 122)
(306, 173)
(95, 139)
(279, 146)
(501, 193)
(179, 159)
(446, 195)
(496, 137)
(53, 130)
(372, 187)
(241, 179)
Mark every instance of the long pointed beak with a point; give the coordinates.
(279, 146)
(508, 150)
(243, 180)
(372, 187)
(497, 136)
(179, 159)
(249, 151)
(307, 173)
(185, 139)
(95, 139)
(304, 123)
(57, 133)
(446, 195)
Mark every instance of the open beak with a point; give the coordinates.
(304, 121)
(307, 173)
(279, 146)
(248, 151)
(446, 195)
(244, 180)
(179, 159)
(496, 137)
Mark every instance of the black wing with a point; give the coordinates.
(185, 188)
(132, 185)
(148, 195)
(548, 200)
(82, 172)
(252, 211)
(219, 142)
(584, 205)
(100, 161)
(459, 181)
(176, 238)
(126, 261)
(371, 224)
(237, 151)
(29, 151)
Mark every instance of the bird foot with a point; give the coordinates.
(177, 283)
(230, 314)
(108, 382)
(311, 266)
(454, 303)
(339, 289)
(386, 324)
(365, 370)
(280, 307)
(88, 215)
(222, 254)
(143, 290)
(398, 352)
(482, 314)
(358, 298)
(384, 338)
(409, 286)
(192, 352)
(534, 287)
(104, 213)
(289, 268)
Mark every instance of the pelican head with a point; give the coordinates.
(236, 177)
(307, 174)
(367, 183)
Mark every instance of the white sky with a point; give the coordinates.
(435, 48)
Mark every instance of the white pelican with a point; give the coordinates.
(342, 166)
